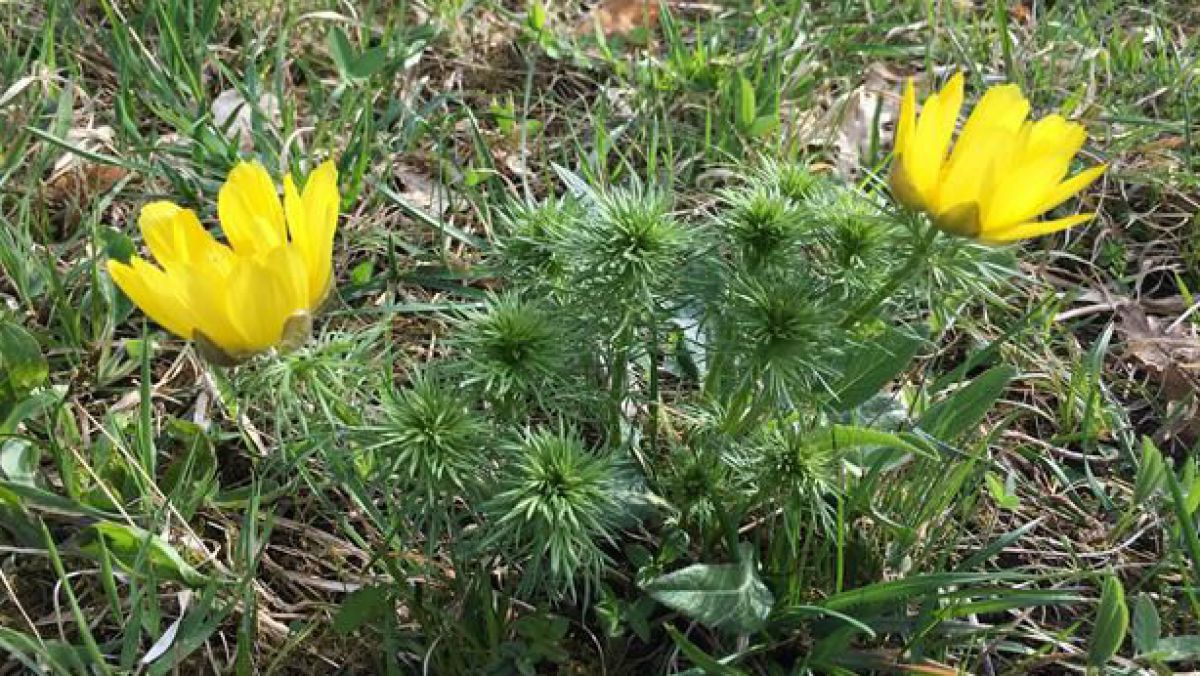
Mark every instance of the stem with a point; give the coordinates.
(652, 347)
(906, 272)
(840, 562)
(618, 377)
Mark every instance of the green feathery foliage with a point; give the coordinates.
(555, 509)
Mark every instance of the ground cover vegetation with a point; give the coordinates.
(758, 337)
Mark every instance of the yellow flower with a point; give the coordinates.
(1003, 173)
(250, 295)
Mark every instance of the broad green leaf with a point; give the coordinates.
(130, 545)
(537, 16)
(27, 407)
(1146, 628)
(1150, 475)
(1001, 491)
(865, 447)
(918, 585)
(340, 49)
(747, 107)
(1190, 480)
(763, 125)
(18, 460)
(728, 596)
(999, 600)
(1177, 649)
(1112, 621)
(1184, 529)
(32, 497)
(362, 273)
(847, 437)
(22, 365)
(117, 245)
(361, 607)
(368, 63)
(955, 415)
(871, 365)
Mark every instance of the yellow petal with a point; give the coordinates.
(175, 237)
(262, 293)
(252, 307)
(157, 294)
(961, 220)
(1033, 229)
(908, 118)
(297, 218)
(321, 203)
(902, 186)
(250, 212)
(931, 138)
(1068, 188)
(304, 228)
(972, 170)
(1053, 135)
(987, 138)
(286, 264)
(903, 189)
(208, 295)
(1018, 196)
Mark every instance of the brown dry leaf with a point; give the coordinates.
(81, 182)
(1173, 142)
(1169, 351)
(855, 126)
(74, 181)
(420, 190)
(618, 17)
(1160, 155)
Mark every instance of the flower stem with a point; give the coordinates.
(911, 267)
(652, 348)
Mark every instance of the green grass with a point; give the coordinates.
(575, 385)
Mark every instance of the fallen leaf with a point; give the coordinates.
(75, 181)
(233, 114)
(1159, 155)
(865, 115)
(82, 182)
(1169, 352)
(420, 190)
(1172, 142)
(618, 17)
